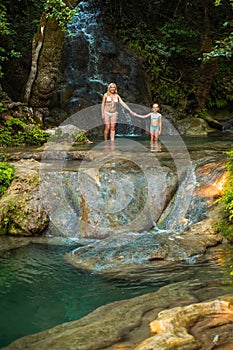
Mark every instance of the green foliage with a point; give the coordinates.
(5, 33)
(60, 11)
(167, 36)
(19, 21)
(7, 174)
(160, 52)
(224, 47)
(15, 132)
(77, 136)
(17, 26)
(227, 199)
(221, 93)
(81, 137)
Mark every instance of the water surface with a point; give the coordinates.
(39, 289)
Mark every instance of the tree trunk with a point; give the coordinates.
(36, 48)
(46, 56)
(207, 68)
(45, 63)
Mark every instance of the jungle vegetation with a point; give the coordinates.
(185, 47)
(7, 174)
(226, 225)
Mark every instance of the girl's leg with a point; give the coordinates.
(152, 134)
(157, 134)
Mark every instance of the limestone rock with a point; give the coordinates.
(193, 126)
(21, 209)
(125, 324)
(173, 328)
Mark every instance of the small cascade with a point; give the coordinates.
(178, 215)
(84, 64)
(85, 25)
(126, 125)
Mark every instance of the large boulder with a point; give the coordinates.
(21, 209)
(193, 126)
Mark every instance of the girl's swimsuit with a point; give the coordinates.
(154, 127)
(155, 117)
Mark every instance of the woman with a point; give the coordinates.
(109, 110)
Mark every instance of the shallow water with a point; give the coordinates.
(39, 290)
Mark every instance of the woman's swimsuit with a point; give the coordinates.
(111, 114)
(115, 100)
(108, 99)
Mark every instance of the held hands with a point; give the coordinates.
(133, 113)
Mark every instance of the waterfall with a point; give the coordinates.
(85, 25)
(92, 58)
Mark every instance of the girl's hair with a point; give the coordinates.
(112, 84)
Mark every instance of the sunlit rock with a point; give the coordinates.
(174, 328)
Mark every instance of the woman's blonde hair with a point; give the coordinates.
(112, 84)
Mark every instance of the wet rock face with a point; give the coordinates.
(92, 58)
(183, 235)
(98, 202)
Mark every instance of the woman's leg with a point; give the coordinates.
(106, 127)
(106, 131)
(113, 128)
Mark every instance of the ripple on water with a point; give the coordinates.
(43, 290)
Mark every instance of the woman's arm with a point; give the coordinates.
(124, 104)
(103, 104)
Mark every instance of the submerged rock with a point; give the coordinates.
(127, 324)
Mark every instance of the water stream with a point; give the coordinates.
(39, 289)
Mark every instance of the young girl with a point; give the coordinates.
(156, 122)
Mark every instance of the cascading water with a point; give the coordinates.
(91, 60)
(85, 25)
